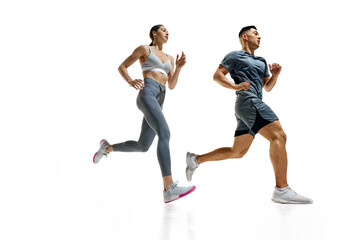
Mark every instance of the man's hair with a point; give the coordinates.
(244, 29)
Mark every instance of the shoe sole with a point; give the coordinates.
(187, 167)
(94, 158)
(97, 151)
(277, 200)
(188, 177)
(188, 157)
(183, 194)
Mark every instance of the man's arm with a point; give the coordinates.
(219, 77)
(269, 82)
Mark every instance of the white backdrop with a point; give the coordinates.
(61, 94)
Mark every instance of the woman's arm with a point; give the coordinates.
(174, 75)
(137, 54)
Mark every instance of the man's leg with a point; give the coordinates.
(241, 146)
(282, 192)
(277, 138)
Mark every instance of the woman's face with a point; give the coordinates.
(161, 35)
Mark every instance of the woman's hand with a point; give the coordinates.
(137, 84)
(180, 62)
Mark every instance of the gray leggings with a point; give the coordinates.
(150, 101)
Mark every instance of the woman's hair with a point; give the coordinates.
(154, 29)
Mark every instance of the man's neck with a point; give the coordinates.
(247, 49)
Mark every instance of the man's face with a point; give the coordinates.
(253, 38)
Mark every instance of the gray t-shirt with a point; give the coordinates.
(244, 67)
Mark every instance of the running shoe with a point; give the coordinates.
(289, 196)
(99, 154)
(191, 165)
(175, 192)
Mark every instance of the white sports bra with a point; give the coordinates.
(153, 63)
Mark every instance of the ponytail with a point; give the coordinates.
(154, 29)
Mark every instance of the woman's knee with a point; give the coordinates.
(144, 147)
(164, 134)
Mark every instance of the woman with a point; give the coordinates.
(158, 68)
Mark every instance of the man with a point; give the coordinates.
(250, 75)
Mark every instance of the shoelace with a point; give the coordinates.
(288, 189)
(174, 185)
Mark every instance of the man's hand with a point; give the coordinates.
(242, 86)
(275, 69)
(269, 82)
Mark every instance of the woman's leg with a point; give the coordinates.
(154, 123)
(146, 138)
(154, 116)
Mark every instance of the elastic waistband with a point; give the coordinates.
(154, 83)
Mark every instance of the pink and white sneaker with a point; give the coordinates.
(99, 154)
(175, 192)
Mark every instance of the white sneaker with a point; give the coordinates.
(175, 192)
(289, 196)
(191, 165)
(102, 151)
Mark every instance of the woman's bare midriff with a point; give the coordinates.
(156, 76)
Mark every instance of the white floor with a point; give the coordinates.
(104, 201)
(196, 217)
(114, 219)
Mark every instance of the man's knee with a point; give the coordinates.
(279, 133)
(283, 136)
(241, 145)
(239, 153)
(279, 136)
(274, 132)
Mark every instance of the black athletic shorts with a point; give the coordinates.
(251, 118)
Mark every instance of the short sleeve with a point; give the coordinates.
(229, 61)
(266, 71)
